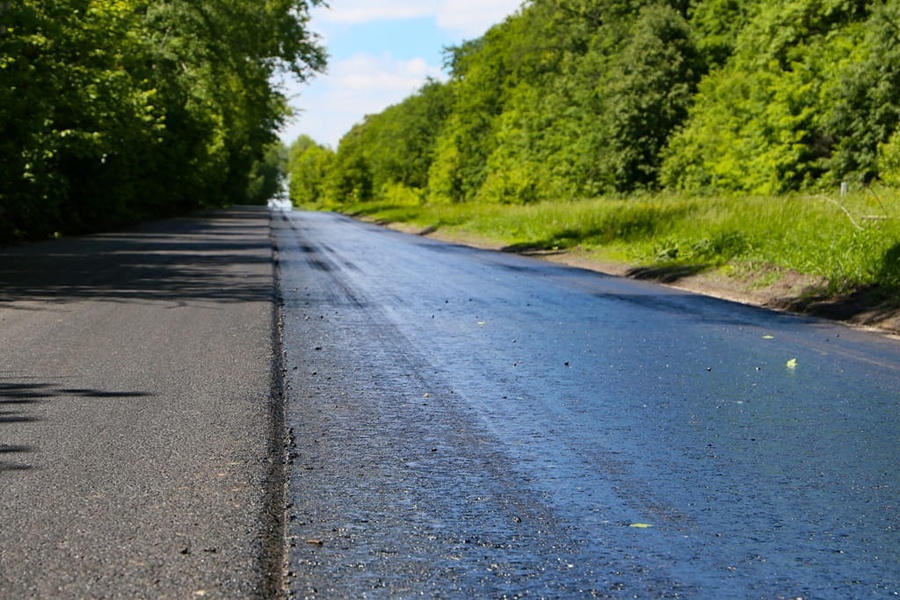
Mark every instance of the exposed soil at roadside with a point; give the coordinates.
(782, 290)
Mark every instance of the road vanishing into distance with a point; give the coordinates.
(265, 404)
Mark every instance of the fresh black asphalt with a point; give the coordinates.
(474, 424)
(256, 404)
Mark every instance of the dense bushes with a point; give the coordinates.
(120, 110)
(580, 98)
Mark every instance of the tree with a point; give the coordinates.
(760, 123)
(269, 174)
(350, 177)
(309, 167)
(69, 106)
(651, 87)
(123, 110)
(577, 98)
(865, 100)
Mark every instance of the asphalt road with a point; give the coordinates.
(457, 423)
(137, 420)
(472, 424)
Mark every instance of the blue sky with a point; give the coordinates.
(380, 52)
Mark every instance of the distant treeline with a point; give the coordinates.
(115, 111)
(582, 98)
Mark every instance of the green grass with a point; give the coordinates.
(851, 241)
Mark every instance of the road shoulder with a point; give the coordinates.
(139, 416)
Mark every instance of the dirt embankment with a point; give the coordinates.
(779, 290)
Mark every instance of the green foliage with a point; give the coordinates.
(390, 149)
(68, 106)
(480, 71)
(350, 179)
(805, 101)
(122, 110)
(579, 98)
(565, 98)
(889, 159)
(308, 168)
(267, 177)
(651, 85)
(850, 242)
(865, 101)
(399, 141)
(717, 24)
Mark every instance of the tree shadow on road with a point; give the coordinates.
(17, 399)
(224, 256)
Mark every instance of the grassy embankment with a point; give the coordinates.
(839, 245)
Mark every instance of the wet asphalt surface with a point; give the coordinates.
(464, 423)
(456, 424)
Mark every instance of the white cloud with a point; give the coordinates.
(364, 11)
(365, 73)
(469, 18)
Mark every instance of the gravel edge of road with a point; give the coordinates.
(274, 550)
